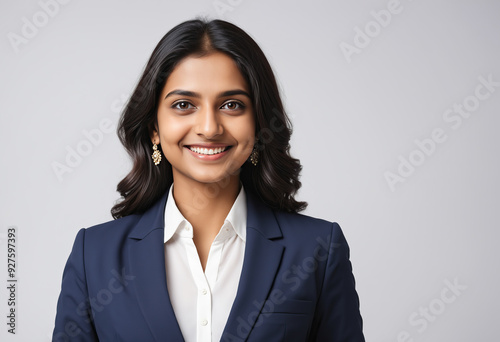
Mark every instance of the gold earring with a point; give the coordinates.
(156, 155)
(254, 157)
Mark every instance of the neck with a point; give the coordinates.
(205, 204)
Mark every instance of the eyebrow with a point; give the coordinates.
(197, 95)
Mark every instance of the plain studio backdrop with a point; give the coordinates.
(395, 108)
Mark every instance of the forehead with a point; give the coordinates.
(208, 74)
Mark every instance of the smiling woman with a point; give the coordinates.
(207, 243)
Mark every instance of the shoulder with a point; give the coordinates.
(136, 225)
(301, 220)
(303, 231)
(105, 238)
(291, 224)
(296, 223)
(100, 248)
(113, 229)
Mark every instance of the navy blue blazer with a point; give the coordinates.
(296, 283)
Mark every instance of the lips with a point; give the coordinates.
(208, 150)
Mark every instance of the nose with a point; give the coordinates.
(208, 123)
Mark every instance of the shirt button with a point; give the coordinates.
(204, 322)
(204, 291)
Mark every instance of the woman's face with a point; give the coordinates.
(206, 124)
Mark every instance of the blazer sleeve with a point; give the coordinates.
(337, 317)
(74, 319)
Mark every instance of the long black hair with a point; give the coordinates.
(275, 179)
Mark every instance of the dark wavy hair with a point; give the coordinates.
(275, 179)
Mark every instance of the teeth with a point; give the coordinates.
(207, 150)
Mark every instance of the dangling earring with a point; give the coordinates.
(156, 155)
(254, 157)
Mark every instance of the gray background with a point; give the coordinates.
(354, 118)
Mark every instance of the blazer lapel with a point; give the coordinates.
(147, 260)
(260, 265)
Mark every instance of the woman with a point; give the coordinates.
(207, 244)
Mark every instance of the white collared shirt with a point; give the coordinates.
(202, 300)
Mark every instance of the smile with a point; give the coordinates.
(208, 151)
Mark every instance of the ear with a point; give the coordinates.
(153, 134)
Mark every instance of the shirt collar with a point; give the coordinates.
(235, 221)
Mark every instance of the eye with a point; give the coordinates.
(233, 105)
(182, 105)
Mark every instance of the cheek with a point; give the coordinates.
(246, 132)
(172, 131)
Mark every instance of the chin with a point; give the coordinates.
(222, 177)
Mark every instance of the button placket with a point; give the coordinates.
(204, 311)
